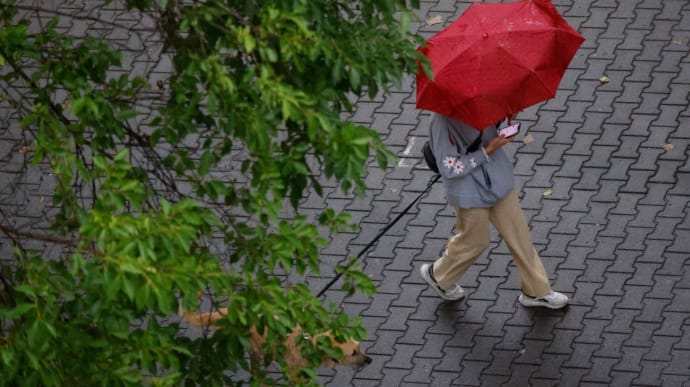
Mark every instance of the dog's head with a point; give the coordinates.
(352, 355)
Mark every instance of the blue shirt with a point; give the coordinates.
(465, 182)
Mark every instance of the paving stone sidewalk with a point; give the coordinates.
(606, 197)
(605, 185)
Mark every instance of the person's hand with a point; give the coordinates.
(497, 143)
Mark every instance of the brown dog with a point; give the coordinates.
(352, 354)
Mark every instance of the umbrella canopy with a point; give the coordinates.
(495, 60)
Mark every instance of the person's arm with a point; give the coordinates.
(452, 164)
(497, 143)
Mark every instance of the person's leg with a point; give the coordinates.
(509, 220)
(471, 239)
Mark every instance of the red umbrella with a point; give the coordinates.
(495, 60)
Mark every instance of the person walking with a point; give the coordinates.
(480, 186)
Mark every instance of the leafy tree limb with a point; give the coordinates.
(153, 189)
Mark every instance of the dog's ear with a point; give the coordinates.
(349, 347)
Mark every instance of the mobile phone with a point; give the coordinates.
(510, 131)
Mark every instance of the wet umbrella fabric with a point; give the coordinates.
(495, 60)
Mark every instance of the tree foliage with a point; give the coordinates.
(163, 188)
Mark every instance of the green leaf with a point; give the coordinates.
(205, 163)
(426, 67)
(25, 289)
(270, 54)
(248, 41)
(19, 311)
(126, 114)
(7, 356)
(128, 267)
(355, 80)
(33, 360)
(128, 286)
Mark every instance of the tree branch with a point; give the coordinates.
(13, 233)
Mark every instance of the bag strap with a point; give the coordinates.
(475, 144)
(473, 147)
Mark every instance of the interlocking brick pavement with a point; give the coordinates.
(614, 233)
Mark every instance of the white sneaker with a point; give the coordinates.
(453, 294)
(553, 300)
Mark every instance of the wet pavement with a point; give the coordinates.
(604, 180)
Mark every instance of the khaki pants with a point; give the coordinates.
(472, 239)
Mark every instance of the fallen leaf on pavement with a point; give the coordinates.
(434, 20)
(604, 79)
(668, 147)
